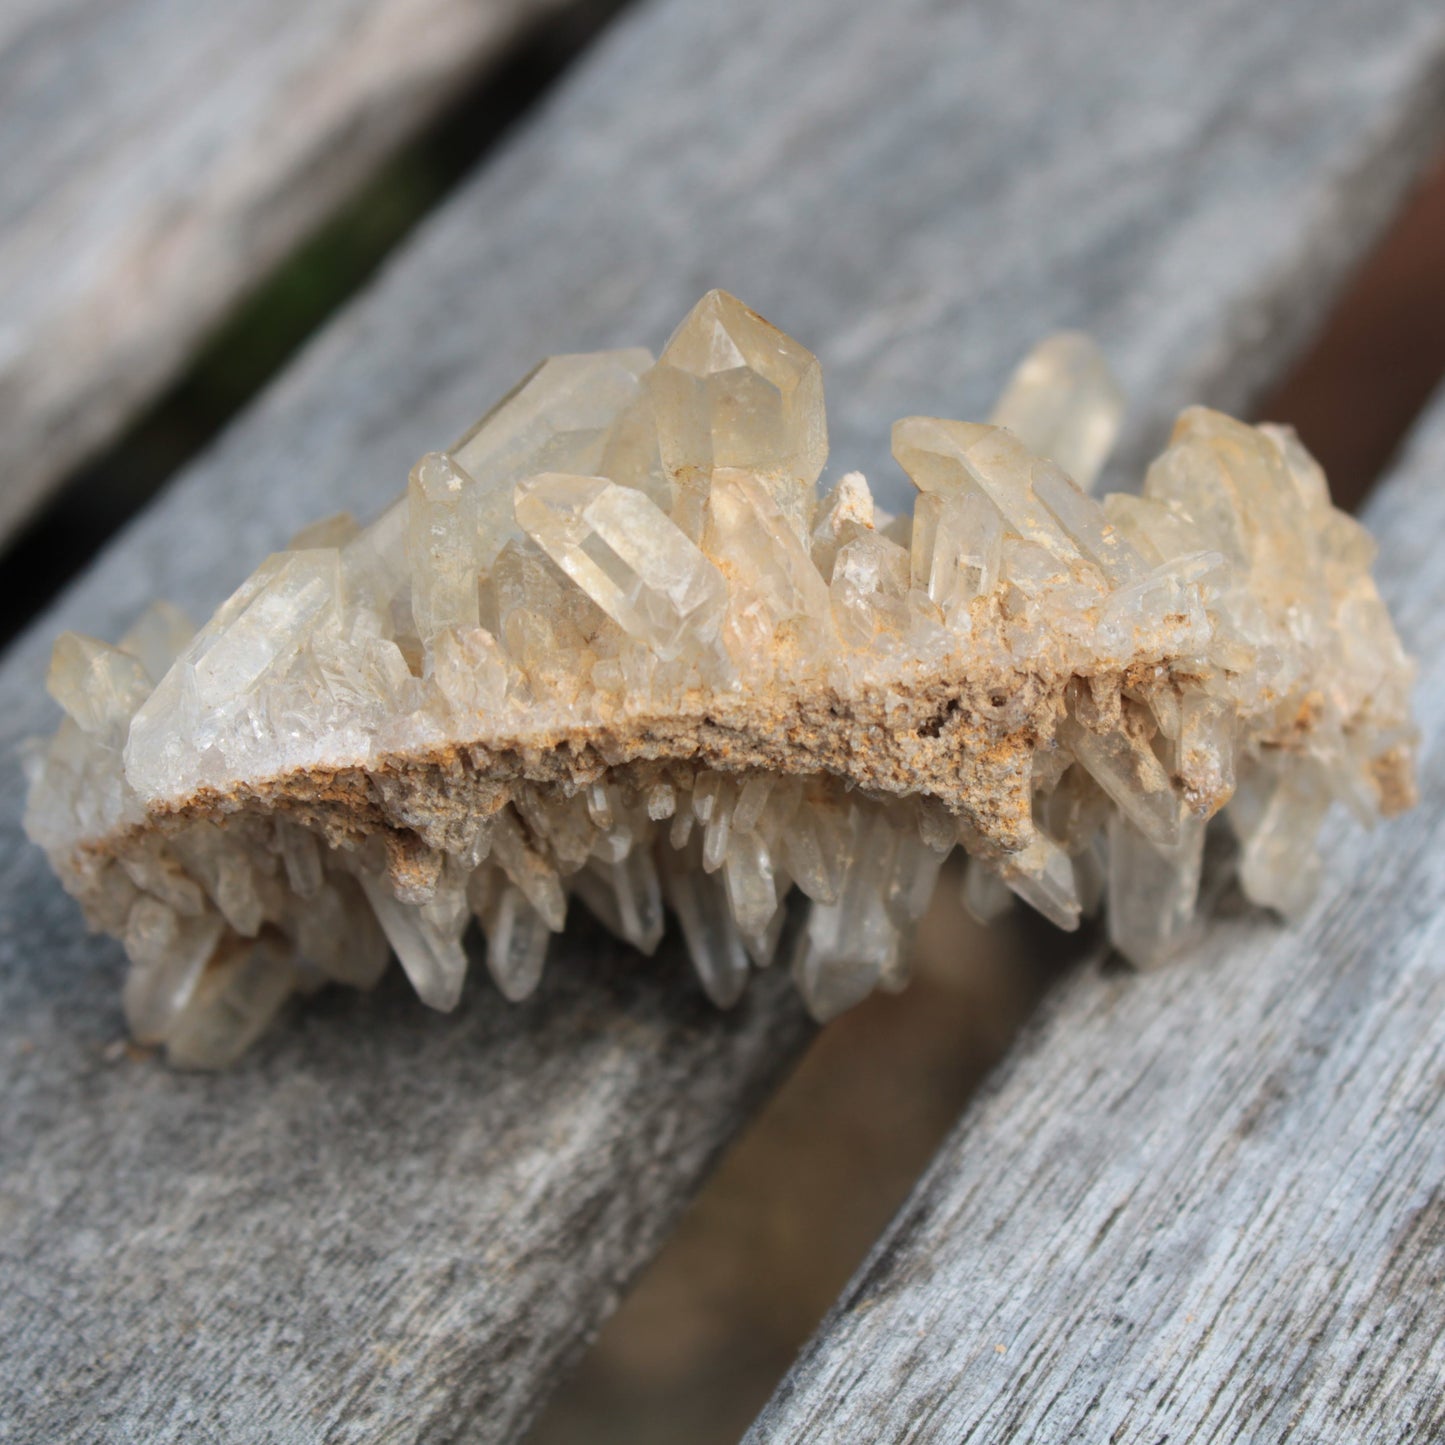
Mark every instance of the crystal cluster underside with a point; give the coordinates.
(615, 648)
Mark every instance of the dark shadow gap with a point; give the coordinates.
(1380, 354)
(271, 324)
(714, 1322)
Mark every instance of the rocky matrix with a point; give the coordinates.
(613, 648)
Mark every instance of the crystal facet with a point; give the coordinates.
(732, 391)
(1064, 404)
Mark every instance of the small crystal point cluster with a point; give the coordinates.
(615, 648)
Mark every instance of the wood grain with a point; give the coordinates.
(159, 157)
(396, 1225)
(1206, 1204)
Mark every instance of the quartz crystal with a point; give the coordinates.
(1064, 404)
(613, 649)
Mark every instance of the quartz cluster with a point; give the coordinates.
(614, 648)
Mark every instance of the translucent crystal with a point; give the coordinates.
(98, 685)
(443, 545)
(752, 886)
(957, 548)
(168, 955)
(1158, 530)
(1128, 770)
(1063, 403)
(1166, 606)
(427, 939)
(517, 941)
(1152, 891)
(985, 895)
(1279, 804)
(954, 457)
(336, 932)
(713, 940)
(610, 649)
(1207, 739)
(1087, 525)
(845, 512)
(869, 591)
(232, 1005)
(626, 895)
(293, 597)
(529, 869)
(732, 391)
(470, 670)
(558, 419)
(301, 855)
(847, 946)
(1043, 875)
(768, 567)
(157, 638)
(628, 557)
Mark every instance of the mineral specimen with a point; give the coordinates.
(614, 648)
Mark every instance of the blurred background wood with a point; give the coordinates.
(916, 193)
(158, 157)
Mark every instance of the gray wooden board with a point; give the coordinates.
(916, 192)
(158, 156)
(1204, 1205)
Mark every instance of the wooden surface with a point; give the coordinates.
(389, 1224)
(1207, 1204)
(158, 157)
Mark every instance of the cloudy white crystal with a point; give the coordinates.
(611, 648)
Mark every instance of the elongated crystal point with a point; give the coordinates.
(610, 650)
(556, 419)
(443, 545)
(628, 557)
(1063, 403)
(177, 737)
(99, 686)
(733, 391)
(560, 418)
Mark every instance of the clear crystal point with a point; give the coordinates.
(714, 943)
(1063, 403)
(443, 545)
(427, 939)
(99, 686)
(768, 567)
(1152, 891)
(733, 391)
(560, 418)
(625, 553)
(953, 458)
(517, 942)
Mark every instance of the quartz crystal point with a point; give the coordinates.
(613, 649)
(729, 390)
(1064, 404)
(628, 556)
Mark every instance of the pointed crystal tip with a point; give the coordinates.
(733, 391)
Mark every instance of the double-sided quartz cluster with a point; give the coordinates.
(612, 647)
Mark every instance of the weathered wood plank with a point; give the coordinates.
(157, 157)
(1208, 1204)
(396, 1225)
